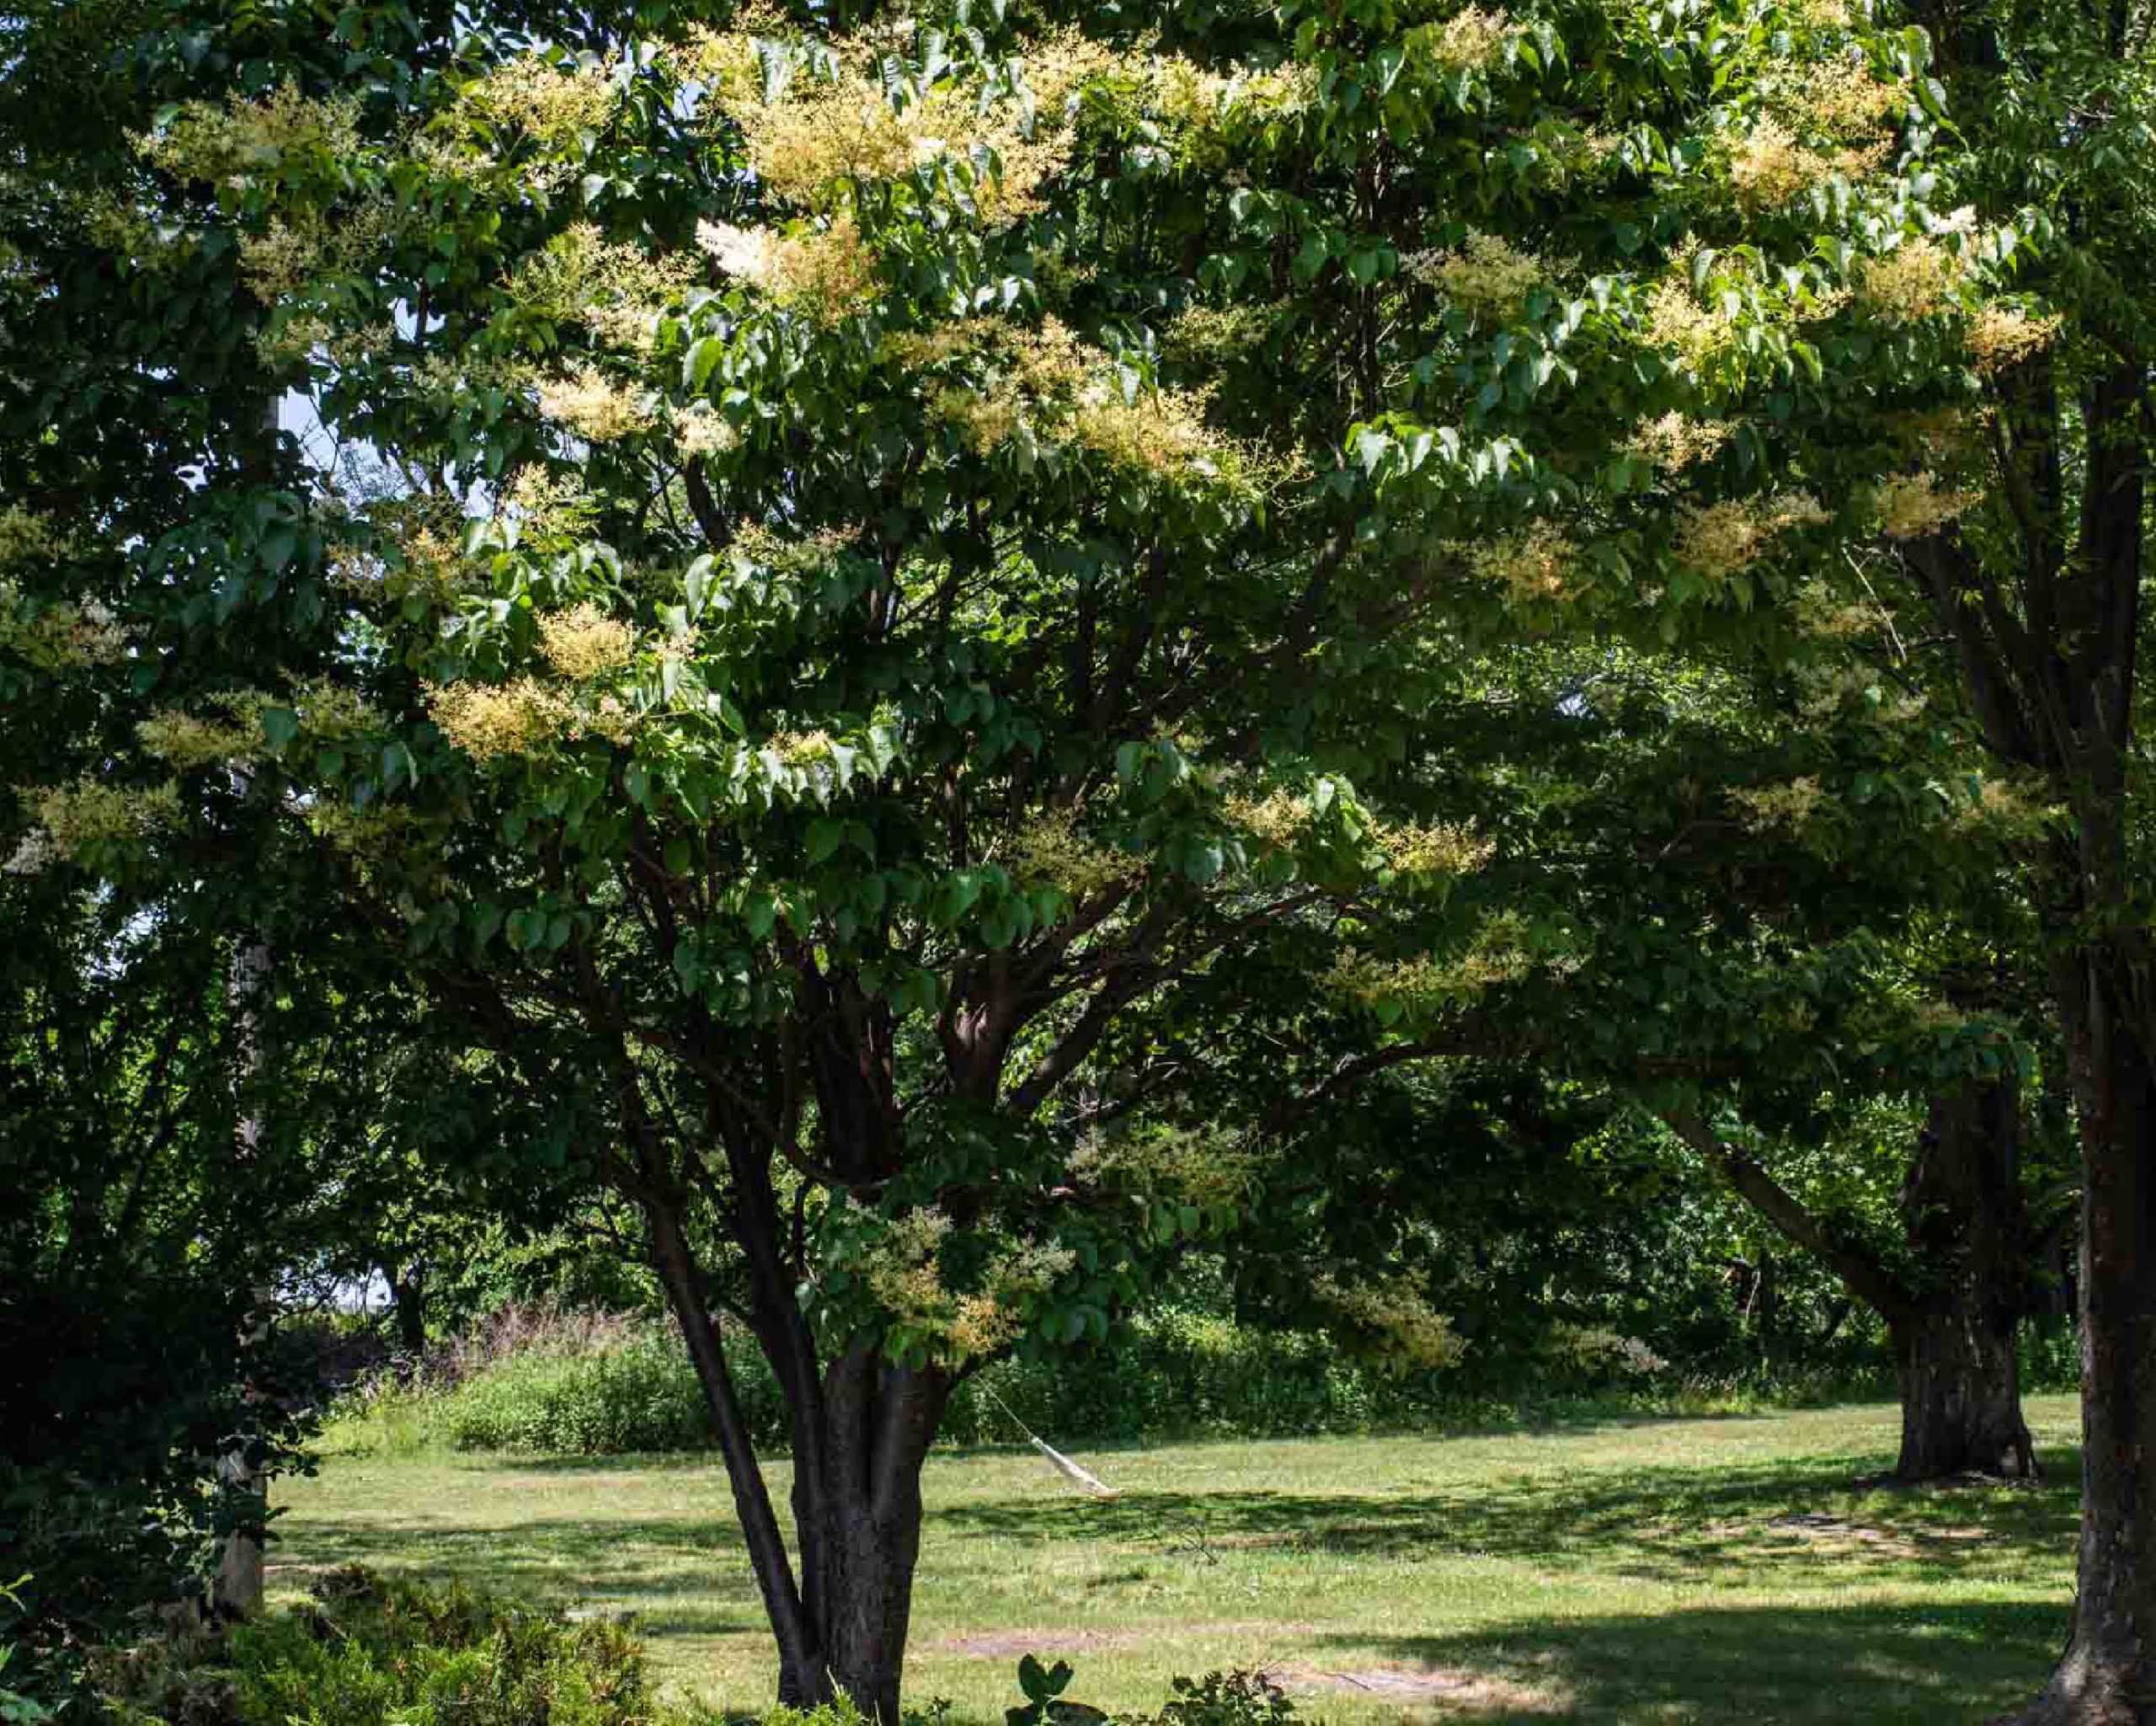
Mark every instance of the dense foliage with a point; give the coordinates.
(924, 642)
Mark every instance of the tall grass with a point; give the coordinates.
(538, 1379)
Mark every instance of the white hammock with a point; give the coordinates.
(1062, 1464)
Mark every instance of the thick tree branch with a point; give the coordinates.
(1864, 1276)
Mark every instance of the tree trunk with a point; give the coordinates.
(864, 1506)
(407, 1302)
(2107, 1675)
(861, 1433)
(1960, 1397)
(236, 1591)
(1954, 1343)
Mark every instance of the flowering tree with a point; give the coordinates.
(895, 541)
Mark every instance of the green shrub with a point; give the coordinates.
(637, 1395)
(371, 1652)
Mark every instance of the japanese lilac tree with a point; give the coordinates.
(901, 528)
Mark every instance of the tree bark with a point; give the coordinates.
(2107, 1675)
(236, 1592)
(861, 1432)
(864, 1506)
(1960, 1397)
(1954, 1342)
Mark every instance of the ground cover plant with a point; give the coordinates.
(1705, 1571)
(362, 1649)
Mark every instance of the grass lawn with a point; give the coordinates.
(1723, 1570)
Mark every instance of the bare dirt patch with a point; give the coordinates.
(1443, 1687)
(1007, 1644)
(1913, 1543)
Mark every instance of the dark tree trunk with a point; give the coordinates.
(1954, 1335)
(861, 1431)
(1954, 1340)
(2107, 1675)
(1961, 1397)
(863, 1506)
(408, 1301)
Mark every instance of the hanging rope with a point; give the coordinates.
(1062, 1464)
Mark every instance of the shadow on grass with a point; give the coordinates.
(1937, 1664)
(678, 1576)
(1662, 1524)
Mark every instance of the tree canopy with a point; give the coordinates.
(864, 554)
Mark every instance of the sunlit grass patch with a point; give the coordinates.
(1730, 1570)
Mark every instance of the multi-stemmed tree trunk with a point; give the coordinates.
(862, 1427)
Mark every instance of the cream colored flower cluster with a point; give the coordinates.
(1675, 317)
(594, 406)
(64, 635)
(829, 271)
(1412, 1335)
(584, 642)
(231, 143)
(214, 143)
(1675, 441)
(425, 559)
(1854, 690)
(1487, 275)
(1534, 565)
(1202, 1167)
(1052, 848)
(537, 95)
(1719, 539)
(616, 288)
(1912, 506)
(2003, 809)
(701, 429)
(798, 749)
(486, 720)
(301, 334)
(1839, 96)
(1472, 39)
(1206, 104)
(29, 539)
(1819, 610)
(1495, 954)
(826, 134)
(549, 505)
(1424, 849)
(1999, 337)
(1277, 821)
(1212, 334)
(1061, 390)
(92, 811)
(1914, 281)
(823, 135)
(902, 1272)
(1791, 806)
(184, 739)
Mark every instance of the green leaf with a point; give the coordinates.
(698, 364)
